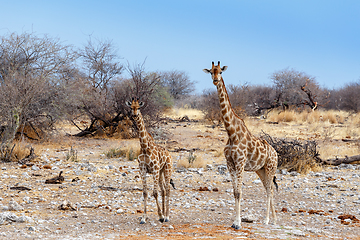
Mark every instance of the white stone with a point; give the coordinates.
(35, 168)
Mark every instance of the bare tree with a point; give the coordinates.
(239, 98)
(143, 83)
(106, 106)
(145, 86)
(262, 98)
(30, 71)
(295, 88)
(100, 63)
(100, 68)
(210, 106)
(348, 97)
(178, 83)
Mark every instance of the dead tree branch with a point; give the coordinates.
(346, 160)
(311, 103)
(294, 155)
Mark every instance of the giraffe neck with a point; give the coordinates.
(234, 125)
(143, 134)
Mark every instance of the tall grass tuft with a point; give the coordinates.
(71, 155)
(284, 116)
(191, 161)
(130, 152)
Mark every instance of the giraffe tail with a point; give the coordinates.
(172, 183)
(276, 185)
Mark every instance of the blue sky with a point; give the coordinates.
(253, 38)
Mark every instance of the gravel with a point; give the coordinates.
(105, 202)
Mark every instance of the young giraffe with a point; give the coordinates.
(155, 160)
(244, 151)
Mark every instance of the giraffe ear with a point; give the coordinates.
(128, 103)
(224, 68)
(206, 70)
(141, 104)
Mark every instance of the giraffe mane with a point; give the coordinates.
(227, 96)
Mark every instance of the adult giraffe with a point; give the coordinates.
(155, 160)
(243, 150)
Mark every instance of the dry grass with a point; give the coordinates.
(21, 150)
(282, 116)
(302, 166)
(130, 152)
(355, 119)
(310, 117)
(72, 155)
(319, 125)
(18, 151)
(176, 113)
(191, 160)
(123, 130)
(219, 153)
(332, 117)
(330, 150)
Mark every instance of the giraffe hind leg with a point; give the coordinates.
(167, 194)
(156, 196)
(267, 180)
(162, 190)
(272, 201)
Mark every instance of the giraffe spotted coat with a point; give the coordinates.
(155, 160)
(244, 151)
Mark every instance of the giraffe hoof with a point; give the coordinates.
(235, 226)
(167, 220)
(142, 222)
(161, 220)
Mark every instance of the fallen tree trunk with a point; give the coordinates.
(337, 161)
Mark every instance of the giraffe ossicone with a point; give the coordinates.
(244, 151)
(155, 160)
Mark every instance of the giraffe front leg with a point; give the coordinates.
(238, 180)
(237, 195)
(145, 195)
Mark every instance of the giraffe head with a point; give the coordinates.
(135, 105)
(216, 72)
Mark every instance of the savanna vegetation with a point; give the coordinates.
(44, 82)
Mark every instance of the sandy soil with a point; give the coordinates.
(107, 199)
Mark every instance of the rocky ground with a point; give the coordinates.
(101, 198)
